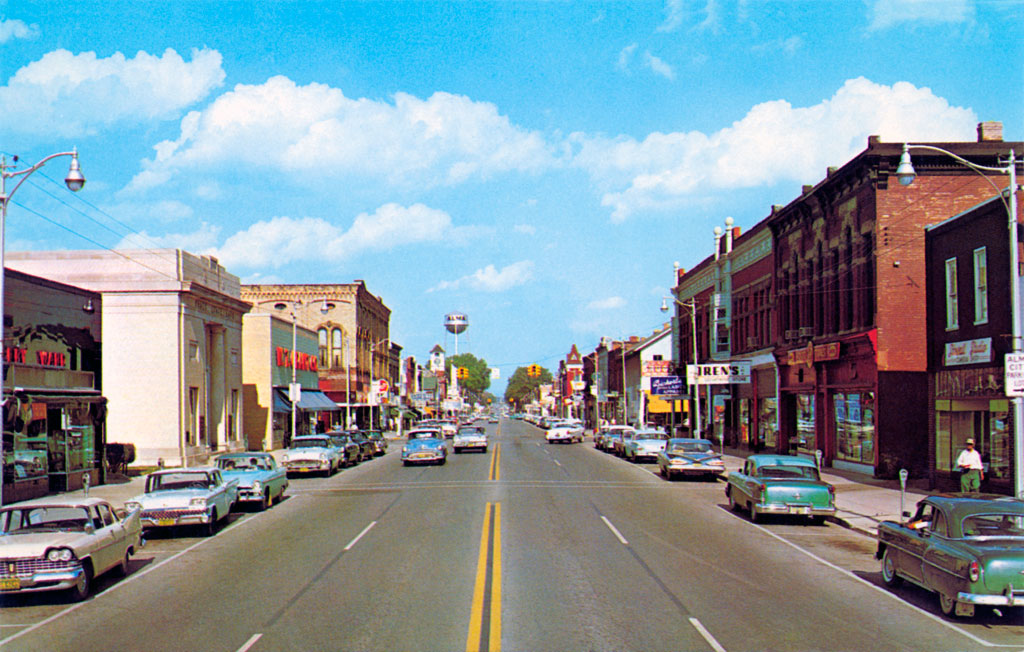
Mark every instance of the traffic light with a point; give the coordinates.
(462, 373)
(533, 370)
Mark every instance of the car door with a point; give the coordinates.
(943, 564)
(105, 538)
(912, 549)
(739, 483)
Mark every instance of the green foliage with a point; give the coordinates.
(479, 376)
(522, 387)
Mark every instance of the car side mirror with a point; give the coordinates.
(121, 514)
(89, 528)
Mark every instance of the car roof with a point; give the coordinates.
(961, 505)
(249, 454)
(691, 440)
(59, 501)
(778, 460)
(186, 469)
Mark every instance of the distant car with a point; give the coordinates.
(63, 542)
(189, 496)
(424, 433)
(492, 419)
(780, 484)
(448, 429)
(470, 438)
(379, 441)
(367, 449)
(313, 454)
(602, 440)
(645, 444)
(260, 480)
(562, 434)
(619, 445)
(690, 457)
(967, 548)
(425, 450)
(350, 449)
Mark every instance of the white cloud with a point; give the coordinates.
(316, 130)
(528, 229)
(12, 29)
(884, 14)
(170, 210)
(283, 240)
(625, 56)
(610, 303)
(65, 94)
(774, 142)
(787, 46)
(491, 279)
(199, 241)
(673, 16)
(659, 66)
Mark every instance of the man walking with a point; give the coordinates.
(971, 470)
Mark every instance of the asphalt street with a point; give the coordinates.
(529, 547)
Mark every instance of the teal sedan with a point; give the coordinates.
(261, 482)
(780, 484)
(967, 548)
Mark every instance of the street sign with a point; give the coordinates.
(294, 392)
(653, 368)
(383, 386)
(718, 374)
(667, 386)
(1014, 370)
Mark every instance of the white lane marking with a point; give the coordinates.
(715, 645)
(360, 536)
(557, 462)
(618, 535)
(126, 581)
(863, 581)
(248, 644)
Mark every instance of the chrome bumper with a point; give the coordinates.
(54, 580)
(797, 510)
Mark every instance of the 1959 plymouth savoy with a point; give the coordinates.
(967, 548)
(780, 484)
(62, 542)
(260, 480)
(193, 496)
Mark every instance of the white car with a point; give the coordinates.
(564, 434)
(313, 454)
(61, 542)
(470, 438)
(190, 496)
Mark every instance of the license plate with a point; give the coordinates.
(165, 522)
(799, 510)
(304, 469)
(10, 584)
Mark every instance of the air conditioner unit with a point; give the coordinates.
(806, 331)
(751, 341)
(791, 334)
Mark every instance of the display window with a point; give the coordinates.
(767, 418)
(855, 426)
(990, 430)
(805, 427)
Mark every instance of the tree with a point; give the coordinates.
(479, 376)
(522, 387)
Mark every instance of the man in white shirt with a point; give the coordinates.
(971, 468)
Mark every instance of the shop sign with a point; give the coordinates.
(656, 368)
(1014, 363)
(667, 386)
(968, 352)
(718, 374)
(813, 353)
(18, 355)
(303, 361)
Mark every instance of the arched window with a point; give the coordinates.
(321, 334)
(337, 349)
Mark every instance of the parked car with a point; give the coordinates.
(424, 450)
(470, 438)
(645, 444)
(380, 442)
(967, 548)
(190, 496)
(350, 450)
(562, 434)
(690, 457)
(780, 484)
(619, 445)
(260, 480)
(313, 454)
(424, 433)
(63, 542)
(602, 440)
(367, 449)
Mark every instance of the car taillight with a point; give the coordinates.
(974, 571)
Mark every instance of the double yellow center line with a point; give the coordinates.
(485, 616)
(495, 459)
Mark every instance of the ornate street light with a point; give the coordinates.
(692, 305)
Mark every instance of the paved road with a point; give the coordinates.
(529, 547)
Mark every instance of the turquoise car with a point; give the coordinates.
(780, 484)
(967, 548)
(261, 481)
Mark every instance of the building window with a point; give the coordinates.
(988, 423)
(980, 286)
(952, 319)
(337, 350)
(855, 426)
(322, 344)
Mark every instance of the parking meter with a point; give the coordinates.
(904, 474)
(86, 480)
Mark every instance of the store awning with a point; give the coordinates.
(281, 402)
(316, 401)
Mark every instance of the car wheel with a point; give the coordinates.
(948, 605)
(753, 512)
(457, 450)
(443, 460)
(211, 527)
(485, 450)
(405, 462)
(265, 503)
(121, 570)
(733, 505)
(889, 575)
(80, 591)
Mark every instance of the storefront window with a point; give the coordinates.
(766, 420)
(990, 430)
(805, 442)
(855, 427)
(744, 424)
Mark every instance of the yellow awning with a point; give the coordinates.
(657, 405)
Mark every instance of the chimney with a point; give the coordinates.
(990, 131)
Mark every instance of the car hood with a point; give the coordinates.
(649, 443)
(36, 543)
(697, 458)
(306, 453)
(174, 498)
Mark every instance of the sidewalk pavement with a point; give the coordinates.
(862, 501)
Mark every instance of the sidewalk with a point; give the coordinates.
(862, 501)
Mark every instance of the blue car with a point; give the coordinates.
(260, 480)
(424, 450)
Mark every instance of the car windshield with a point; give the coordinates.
(691, 447)
(26, 520)
(423, 434)
(311, 442)
(243, 463)
(651, 435)
(177, 480)
(788, 471)
(994, 525)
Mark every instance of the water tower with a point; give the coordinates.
(455, 323)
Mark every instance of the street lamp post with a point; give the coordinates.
(74, 181)
(373, 389)
(294, 392)
(906, 175)
(692, 305)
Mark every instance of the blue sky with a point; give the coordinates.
(538, 166)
